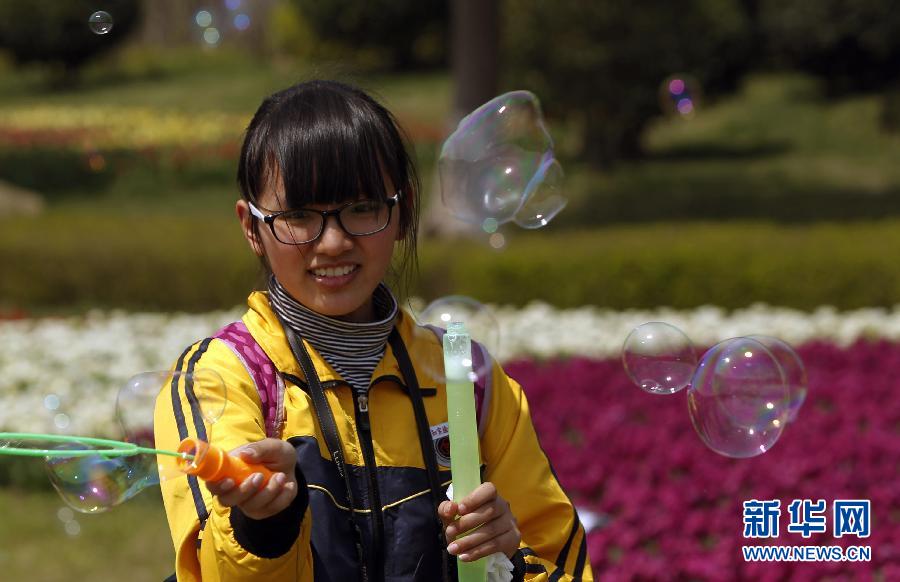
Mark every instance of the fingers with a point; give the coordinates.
(275, 454)
(448, 511)
(497, 536)
(255, 501)
(496, 508)
(484, 525)
(484, 493)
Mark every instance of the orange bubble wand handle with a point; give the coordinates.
(211, 463)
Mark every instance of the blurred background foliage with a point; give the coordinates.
(118, 151)
(118, 156)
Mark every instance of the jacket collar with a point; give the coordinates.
(266, 329)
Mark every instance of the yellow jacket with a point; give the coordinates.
(212, 544)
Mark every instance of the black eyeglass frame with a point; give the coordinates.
(336, 212)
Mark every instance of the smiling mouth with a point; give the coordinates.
(341, 271)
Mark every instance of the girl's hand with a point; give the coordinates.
(486, 510)
(278, 456)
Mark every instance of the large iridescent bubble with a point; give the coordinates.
(738, 399)
(96, 483)
(499, 166)
(793, 369)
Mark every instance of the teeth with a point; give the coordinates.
(332, 272)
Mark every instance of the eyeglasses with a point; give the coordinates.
(304, 225)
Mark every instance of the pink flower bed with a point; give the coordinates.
(674, 507)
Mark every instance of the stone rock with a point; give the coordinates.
(19, 201)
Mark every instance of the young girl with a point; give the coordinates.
(328, 387)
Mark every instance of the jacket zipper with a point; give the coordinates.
(364, 432)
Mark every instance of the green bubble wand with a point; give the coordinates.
(135, 403)
(16, 444)
(465, 458)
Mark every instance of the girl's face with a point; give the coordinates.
(335, 274)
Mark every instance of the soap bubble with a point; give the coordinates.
(203, 18)
(793, 370)
(211, 36)
(204, 401)
(659, 358)
(680, 95)
(498, 165)
(100, 22)
(544, 198)
(95, 483)
(241, 21)
(480, 323)
(738, 399)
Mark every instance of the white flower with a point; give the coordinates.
(83, 361)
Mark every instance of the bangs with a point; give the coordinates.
(330, 149)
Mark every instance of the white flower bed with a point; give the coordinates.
(82, 361)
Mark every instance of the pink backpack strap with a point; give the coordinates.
(269, 385)
(481, 362)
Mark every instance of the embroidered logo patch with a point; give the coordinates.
(440, 437)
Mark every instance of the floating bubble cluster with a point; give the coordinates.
(680, 95)
(499, 166)
(740, 395)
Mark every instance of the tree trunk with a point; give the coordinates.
(475, 65)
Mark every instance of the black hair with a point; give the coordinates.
(330, 142)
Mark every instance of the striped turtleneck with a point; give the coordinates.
(352, 349)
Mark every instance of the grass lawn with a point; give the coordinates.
(775, 150)
(131, 542)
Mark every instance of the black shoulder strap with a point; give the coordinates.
(415, 395)
(329, 431)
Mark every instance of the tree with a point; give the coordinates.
(853, 45)
(405, 33)
(602, 63)
(58, 32)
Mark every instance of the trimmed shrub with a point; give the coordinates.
(143, 262)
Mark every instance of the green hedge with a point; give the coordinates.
(133, 261)
(56, 262)
(683, 266)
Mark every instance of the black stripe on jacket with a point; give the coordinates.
(181, 421)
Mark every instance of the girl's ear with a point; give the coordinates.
(247, 227)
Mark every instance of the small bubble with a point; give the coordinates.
(676, 86)
(96, 162)
(211, 36)
(242, 22)
(203, 18)
(65, 514)
(233, 4)
(51, 401)
(61, 420)
(490, 225)
(497, 240)
(100, 22)
(72, 528)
